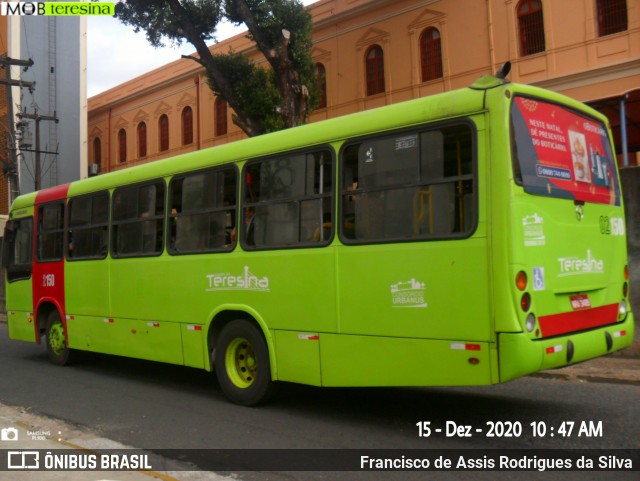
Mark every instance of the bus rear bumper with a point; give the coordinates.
(518, 355)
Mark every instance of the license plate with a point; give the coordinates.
(580, 301)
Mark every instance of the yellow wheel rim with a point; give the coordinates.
(240, 362)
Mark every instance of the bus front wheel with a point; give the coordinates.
(242, 364)
(57, 349)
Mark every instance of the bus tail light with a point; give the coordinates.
(625, 289)
(521, 280)
(626, 273)
(530, 323)
(525, 301)
(622, 310)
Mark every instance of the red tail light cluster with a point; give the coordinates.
(521, 284)
(525, 300)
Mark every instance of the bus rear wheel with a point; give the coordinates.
(242, 364)
(57, 349)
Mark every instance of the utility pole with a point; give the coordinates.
(37, 117)
(11, 164)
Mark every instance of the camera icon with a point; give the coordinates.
(8, 434)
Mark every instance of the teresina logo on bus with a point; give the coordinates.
(573, 266)
(245, 281)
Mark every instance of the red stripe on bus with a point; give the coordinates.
(567, 322)
(58, 192)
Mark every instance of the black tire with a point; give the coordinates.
(57, 349)
(241, 360)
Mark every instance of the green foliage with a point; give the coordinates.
(159, 22)
(254, 88)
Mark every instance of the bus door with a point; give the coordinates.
(415, 262)
(17, 260)
(48, 265)
(87, 268)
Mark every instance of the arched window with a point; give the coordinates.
(374, 62)
(220, 112)
(187, 126)
(122, 146)
(142, 139)
(612, 16)
(322, 85)
(97, 151)
(163, 127)
(431, 54)
(531, 27)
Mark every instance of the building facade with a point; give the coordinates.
(373, 53)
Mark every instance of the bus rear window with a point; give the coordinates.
(561, 153)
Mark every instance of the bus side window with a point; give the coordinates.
(138, 220)
(409, 186)
(87, 236)
(287, 201)
(17, 248)
(50, 230)
(203, 211)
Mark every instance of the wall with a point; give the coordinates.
(630, 179)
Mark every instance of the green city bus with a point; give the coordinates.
(467, 238)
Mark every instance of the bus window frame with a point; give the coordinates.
(418, 130)
(69, 228)
(38, 228)
(243, 231)
(113, 223)
(169, 215)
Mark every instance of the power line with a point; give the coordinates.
(11, 164)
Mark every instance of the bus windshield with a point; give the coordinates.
(558, 152)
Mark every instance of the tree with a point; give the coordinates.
(263, 100)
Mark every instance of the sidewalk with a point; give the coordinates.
(41, 435)
(612, 369)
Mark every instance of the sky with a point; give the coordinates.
(116, 54)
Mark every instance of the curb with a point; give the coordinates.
(584, 378)
(57, 435)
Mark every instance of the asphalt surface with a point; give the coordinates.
(36, 433)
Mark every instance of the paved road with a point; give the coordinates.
(155, 406)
